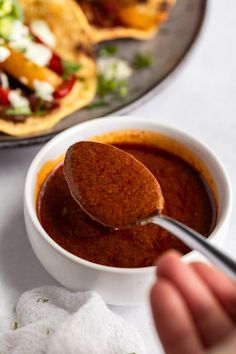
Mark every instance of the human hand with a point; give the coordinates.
(194, 308)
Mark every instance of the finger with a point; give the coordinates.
(170, 253)
(227, 346)
(173, 320)
(211, 320)
(223, 288)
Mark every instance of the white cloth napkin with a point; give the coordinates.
(53, 320)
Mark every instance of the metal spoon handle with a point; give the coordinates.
(196, 241)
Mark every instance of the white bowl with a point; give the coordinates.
(118, 286)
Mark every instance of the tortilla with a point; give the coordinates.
(64, 19)
(99, 34)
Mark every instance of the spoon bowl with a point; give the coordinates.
(110, 185)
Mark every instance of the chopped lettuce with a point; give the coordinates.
(5, 7)
(10, 8)
(10, 11)
(143, 61)
(70, 68)
(25, 111)
(6, 26)
(107, 86)
(108, 51)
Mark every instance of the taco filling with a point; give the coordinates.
(138, 14)
(33, 78)
(47, 70)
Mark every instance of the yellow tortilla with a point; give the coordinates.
(99, 34)
(64, 18)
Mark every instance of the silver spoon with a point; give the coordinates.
(195, 241)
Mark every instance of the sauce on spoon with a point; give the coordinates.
(110, 185)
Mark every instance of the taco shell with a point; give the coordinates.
(161, 9)
(64, 19)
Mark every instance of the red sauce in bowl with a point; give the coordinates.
(187, 199)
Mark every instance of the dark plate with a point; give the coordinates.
(168, 48)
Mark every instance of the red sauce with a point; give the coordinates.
(110, 185)
(187, 199)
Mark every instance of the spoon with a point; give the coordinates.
(119, 192)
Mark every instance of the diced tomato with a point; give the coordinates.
(65, 88)
(4, 97)
(55, 64)
(36, 39)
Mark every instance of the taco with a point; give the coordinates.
(47, 69)
(110, 19)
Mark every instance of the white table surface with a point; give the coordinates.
(201, 100)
